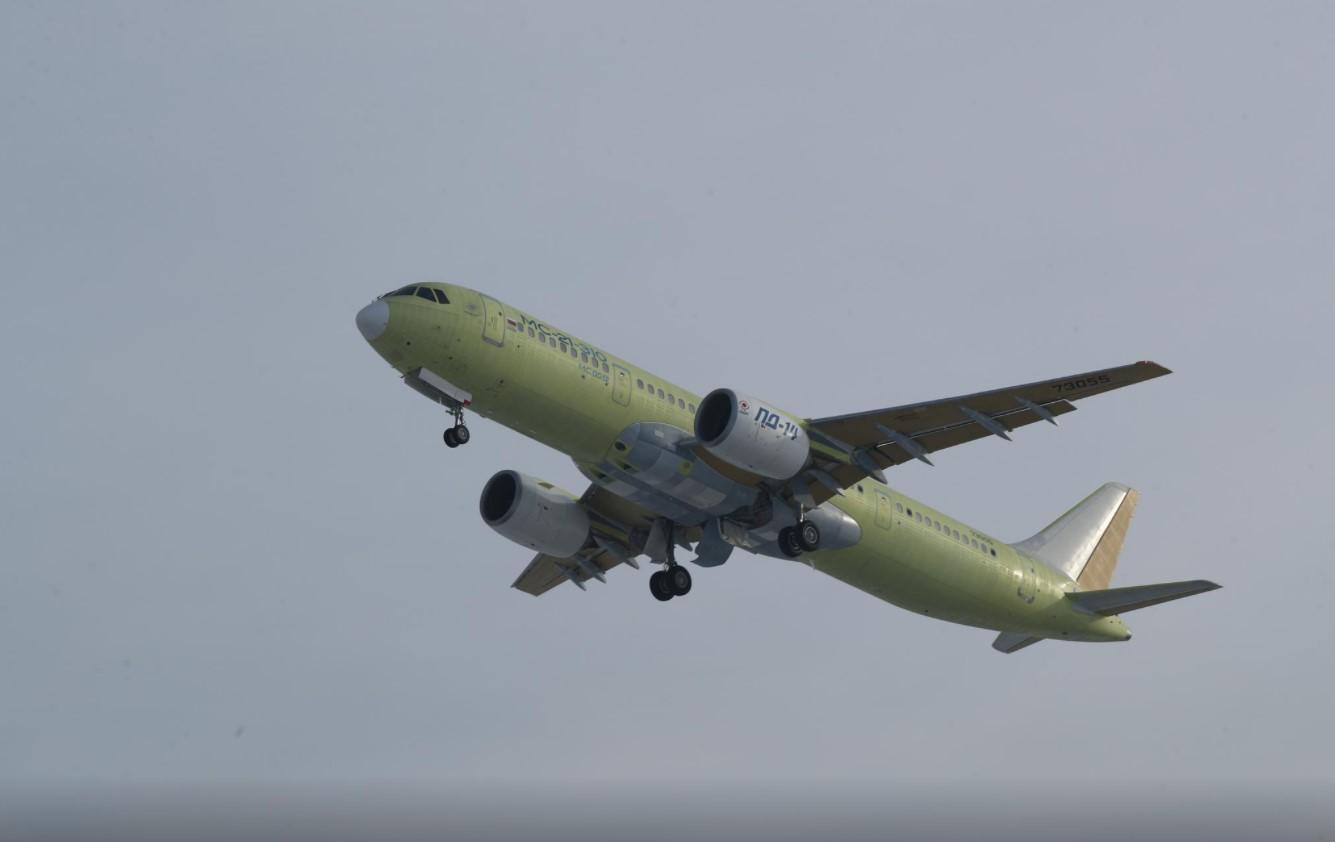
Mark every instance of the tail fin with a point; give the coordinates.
(1084, 543)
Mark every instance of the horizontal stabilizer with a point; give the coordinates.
(1009, 642)
(1121, 600)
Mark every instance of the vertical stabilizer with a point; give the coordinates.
(1084, 543)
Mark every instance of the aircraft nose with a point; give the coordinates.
(373, 319)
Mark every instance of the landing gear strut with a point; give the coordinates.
(458, 434)
(673, 579)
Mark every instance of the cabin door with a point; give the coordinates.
(883, 515)
(1028, 588)
(620, 385)
(493, 321)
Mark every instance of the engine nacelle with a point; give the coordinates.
(745, 432)
(536, 514)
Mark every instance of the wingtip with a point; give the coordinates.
(1159, 370)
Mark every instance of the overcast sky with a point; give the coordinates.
(234, 549)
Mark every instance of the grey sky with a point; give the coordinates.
(234, 548)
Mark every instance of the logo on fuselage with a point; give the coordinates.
(771, 420)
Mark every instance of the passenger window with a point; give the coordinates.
(975, 545)
(660, 394)
(692, 407)
(899, 507)
(918, 518)
(639, 384)
(605, 368)
(531, 334)
(584, 357)
(423, 292)
(955, 535)
(671, 398)
(440, 296)
(910, 513)
(681, 404)
(573, 353)
(994, 552)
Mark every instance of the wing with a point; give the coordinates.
(615, 523)
(864, 443)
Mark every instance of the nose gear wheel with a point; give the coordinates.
(458, 434)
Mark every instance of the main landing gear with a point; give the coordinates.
(673, 579)
(458, 434)
(802, 538)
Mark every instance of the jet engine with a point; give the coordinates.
(750, 434)
(536, 514)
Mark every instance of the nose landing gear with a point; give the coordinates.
(455, 436)
(458, 434)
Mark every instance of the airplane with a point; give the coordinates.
(669, 469)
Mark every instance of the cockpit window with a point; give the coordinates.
(435, 296)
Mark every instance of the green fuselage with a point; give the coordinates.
(574, 397)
